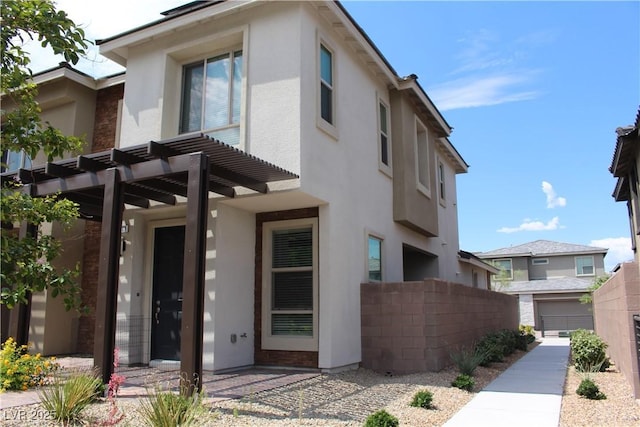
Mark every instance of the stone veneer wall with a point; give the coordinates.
(104, 136)
(414, 326)
(614, 305)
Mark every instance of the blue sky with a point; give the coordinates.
(533, 90)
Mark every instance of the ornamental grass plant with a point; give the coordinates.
(66, 399)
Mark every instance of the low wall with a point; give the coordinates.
(614, 305)
(414, 326)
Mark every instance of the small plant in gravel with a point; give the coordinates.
(467, 360)
(526, 337)
(164, 408)
(464, 382)
(422, 399)
(67, 398)
(20, 370)
(381, 419)
(115, 415)
(590, 390)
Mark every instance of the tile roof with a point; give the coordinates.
(561, 284)
(540, 248)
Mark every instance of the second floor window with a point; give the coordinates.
(584, 266)
(506, 269)
(14, 160)
(211, 97)
(383, 113)
(326, 84)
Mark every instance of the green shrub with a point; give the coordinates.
(168, 409)
(467, 361)
(381, 419)
(496, 345)
(588, 351)
(20, 370)
(67, 398)
(464, 382)
(590, 390)
(525, 337)
(422, 399)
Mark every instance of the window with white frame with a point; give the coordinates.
(423, 171)
(211, 97)
(584, 266)
(14, 160)
(290, 285)
(374, 258)
(327, 110)
(384, 140)
(506, 269)
(441, 181)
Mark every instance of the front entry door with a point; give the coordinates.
(166, 306)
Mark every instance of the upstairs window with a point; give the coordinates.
(423, 171)
(326, 85)
(584, 266)
(441, 181)
(211, 97)
(506, 269)
(383, 131)
(14, 160)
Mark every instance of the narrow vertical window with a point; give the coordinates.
(326, 84)
(211, 96)
(374, 259)
(422, 159)
(441, 181)
(384, 133)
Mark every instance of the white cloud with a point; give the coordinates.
(553, 200)
(481, 91)
(531, 225)
(619, 250)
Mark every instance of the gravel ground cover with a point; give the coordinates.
(346, 399)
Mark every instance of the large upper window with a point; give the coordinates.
(423, 172)
(211, 97)
(14, 160)
(506, 269)
(584, 266)
(326, 85)
(290, 285)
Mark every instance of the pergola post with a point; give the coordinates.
(107, 292)
(193, 278)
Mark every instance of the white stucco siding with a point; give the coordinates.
(232, 290)
(448, 224)
(273, 89)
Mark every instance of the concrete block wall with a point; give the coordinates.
(614, 306)
(414, 326)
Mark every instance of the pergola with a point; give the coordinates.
(102, 183)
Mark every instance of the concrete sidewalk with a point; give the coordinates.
(529, 393)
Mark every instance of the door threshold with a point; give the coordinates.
(165, 365)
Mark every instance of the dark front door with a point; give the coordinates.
(166, 310)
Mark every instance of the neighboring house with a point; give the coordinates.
(616, 304)
(548, 278)
(337, 172)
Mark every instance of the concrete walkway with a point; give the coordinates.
(529, 393)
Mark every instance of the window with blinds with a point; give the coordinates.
(290, 285)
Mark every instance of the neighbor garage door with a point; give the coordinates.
(563, 315)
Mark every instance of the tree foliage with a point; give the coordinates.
(26, 263)
(597, 283)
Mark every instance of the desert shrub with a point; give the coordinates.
(466, 360)
(381, 419)
(496, 345)
(588, 351)
(67, 398)
(422, 399)
(464, 382)
(20, 370)
(167, 409)
(590, 390)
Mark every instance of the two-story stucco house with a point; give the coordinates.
(549, 278)
(332, 171)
